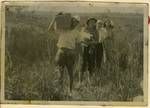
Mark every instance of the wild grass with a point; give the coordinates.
(30, 71)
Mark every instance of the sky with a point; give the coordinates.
(86, 7)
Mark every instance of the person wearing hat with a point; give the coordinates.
(88, 48)
(65, 56)
(109, 38)
(105, 32)
(100, 47)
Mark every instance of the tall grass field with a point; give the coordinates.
(30, 51)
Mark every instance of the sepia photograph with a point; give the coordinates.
(74, 53)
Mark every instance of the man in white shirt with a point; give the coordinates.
(66, 53)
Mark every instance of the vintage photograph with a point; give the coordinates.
(74, 51)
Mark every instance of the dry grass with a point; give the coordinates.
(30, 52)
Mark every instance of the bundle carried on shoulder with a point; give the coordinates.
(61, 22)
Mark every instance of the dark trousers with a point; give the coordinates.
(92, 58)
(88, 56)
(99, 54)
(66, 58)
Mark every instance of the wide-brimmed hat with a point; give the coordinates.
(94, 19)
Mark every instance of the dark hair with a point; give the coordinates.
(104, 24)
(87, 22)
(60, 13)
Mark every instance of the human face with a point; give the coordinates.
(91, 24)
(107, 23)
(99, 25)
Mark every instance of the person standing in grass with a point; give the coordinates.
(108, 38)
(100, 52)
(65, 56)
(89, 48)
